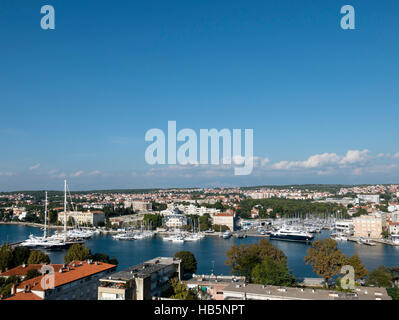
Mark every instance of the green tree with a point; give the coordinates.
(270, 272)
(32, 273)
(325, 258)
(385, 234)
(204, 222)
(6, 285)
(155, 220)
(189, 263)
(394, 293)
(380, 277)
(6, 257)
(20, 255)
(102, 257)
(244, 258)
(108, 223)
(77, 252)
(37, 257)
(181, 292)
(218, 228)
(360, 270)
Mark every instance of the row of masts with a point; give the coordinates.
(46, 228)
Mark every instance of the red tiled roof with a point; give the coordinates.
(74, 273)
(22, 271)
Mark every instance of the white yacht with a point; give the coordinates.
(124, 236)
(290, 234)
(178, 239)
(226, 234)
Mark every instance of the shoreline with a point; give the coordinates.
(29, 224)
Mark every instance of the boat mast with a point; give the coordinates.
(45, 217)
(65, 205)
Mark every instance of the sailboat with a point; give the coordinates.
(43, 242)
(65, 237)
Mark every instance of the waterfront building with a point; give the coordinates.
(260, 292)
(226, 219)
(368, 226)
(213, 285)
(75, 281)
(141, 282)
(344, 227)
(92, 218)
(175, 221)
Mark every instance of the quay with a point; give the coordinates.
(382, 241)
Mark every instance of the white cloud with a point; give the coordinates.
(34, 167)
(77, 173)
(323, 160)
(94, 173)
(355, 156)
(396, 155)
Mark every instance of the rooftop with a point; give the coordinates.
(23, 269)
(290, 293)
(74, 271)
(144, 269)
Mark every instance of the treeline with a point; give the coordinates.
(287, 207)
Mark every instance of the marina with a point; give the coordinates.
(210, 251)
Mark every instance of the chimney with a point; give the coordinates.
(14, 289)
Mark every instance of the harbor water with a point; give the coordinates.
(210, 251)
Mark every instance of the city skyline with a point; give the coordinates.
(78, 100)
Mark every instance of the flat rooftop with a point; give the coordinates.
(143, 270)
(291, 293)
(213, 279)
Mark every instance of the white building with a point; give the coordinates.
(224, 219)
(175, 221)
(83, 217)
(344, 226)
(374, 198)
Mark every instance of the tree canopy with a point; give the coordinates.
(244, 258)
(360, 270)
(270, 272)
(325, 258)
(189, 262)
(380, 277)
(181, 292)
(77, 252)
(37, 257)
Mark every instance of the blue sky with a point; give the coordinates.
(77, 101)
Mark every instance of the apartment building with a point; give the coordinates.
(141, 282)
(92, 218)
(226, 219)
(373, 198)
(141, 206)
(75, 281)
(369, 226)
